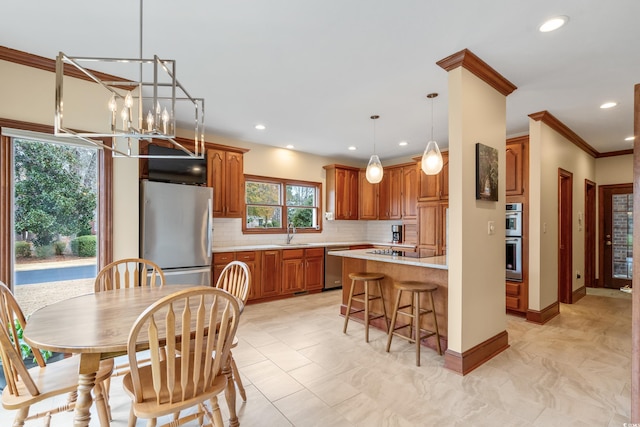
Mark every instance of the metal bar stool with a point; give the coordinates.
(416, 333)
(366, 299)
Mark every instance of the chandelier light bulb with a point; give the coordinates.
(113, 105)
(124, 114)
(149, 121)
(165, 120)
(128, 100)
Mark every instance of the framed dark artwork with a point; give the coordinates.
(486, 173)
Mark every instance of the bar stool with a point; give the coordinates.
(416, 289)
(366, 299)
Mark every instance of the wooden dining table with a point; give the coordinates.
(96, 326)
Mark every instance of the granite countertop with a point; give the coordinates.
(302, 245)
(439, 262)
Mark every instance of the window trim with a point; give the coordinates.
(283, 182)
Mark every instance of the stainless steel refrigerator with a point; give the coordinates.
(176, 223)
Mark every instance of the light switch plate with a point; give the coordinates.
(491, 228)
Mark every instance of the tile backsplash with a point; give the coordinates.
(228, 232)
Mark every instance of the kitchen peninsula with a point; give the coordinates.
(398, 267)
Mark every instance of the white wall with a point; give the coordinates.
(549, 151)
(614, 170)
(477, 113)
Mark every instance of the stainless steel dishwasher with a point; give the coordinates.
(333, 268)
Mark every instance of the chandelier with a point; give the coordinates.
(141, 109)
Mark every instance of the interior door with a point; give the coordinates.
(616, 235)
(565, 236)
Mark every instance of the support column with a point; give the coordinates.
(477, 114)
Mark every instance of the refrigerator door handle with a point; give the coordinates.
(209, 226)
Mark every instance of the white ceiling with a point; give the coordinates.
(314, 71)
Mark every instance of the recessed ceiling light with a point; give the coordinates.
(553, 24)
(290, 146)
(352, 148)
(609, 104)
(403, 143)
(261, 127)
(630, 138)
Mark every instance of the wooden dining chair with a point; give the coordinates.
(28, 386)
(129, 272)
(177, 380)
(236, 280)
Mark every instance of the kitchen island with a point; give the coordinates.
(397, 267)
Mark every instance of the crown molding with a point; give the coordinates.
(467, 59)
(555, 124)
(47, 64)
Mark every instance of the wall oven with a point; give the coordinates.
(514, 259)
(513, 240)
(513, 218)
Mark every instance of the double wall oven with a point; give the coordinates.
(513, 238)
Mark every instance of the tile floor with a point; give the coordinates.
(300, 370)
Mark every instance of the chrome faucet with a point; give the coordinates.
(290, 234)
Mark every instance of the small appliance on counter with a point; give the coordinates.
(396, 234)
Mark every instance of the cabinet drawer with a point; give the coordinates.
(292, 253)
(513, 303)
(223, 257)
(246, 256)
(513, 289)
(314, 252)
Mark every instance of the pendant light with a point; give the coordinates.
(374, 168)
(432, 158)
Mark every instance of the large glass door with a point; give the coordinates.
(55, 239)
(617, 235)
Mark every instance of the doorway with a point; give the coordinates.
(589, 233)
(616, 235)
(565, 236)
(54, 220)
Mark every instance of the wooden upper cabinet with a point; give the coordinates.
(409, 192)
(226, 176)
(342, 191)
(368, 198)
(515, 159)
(434, 187)
(443, 177)
(390, 194)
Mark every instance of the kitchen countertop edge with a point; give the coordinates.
(437, 262)
(304, 245)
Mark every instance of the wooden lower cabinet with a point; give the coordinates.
(314, 269)
(220, 261)
(277, 273)
(271, 275)
(292, 271)
(252, 259)
(516, 298)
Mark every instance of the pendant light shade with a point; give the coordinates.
(374, 168)
(432, 158)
